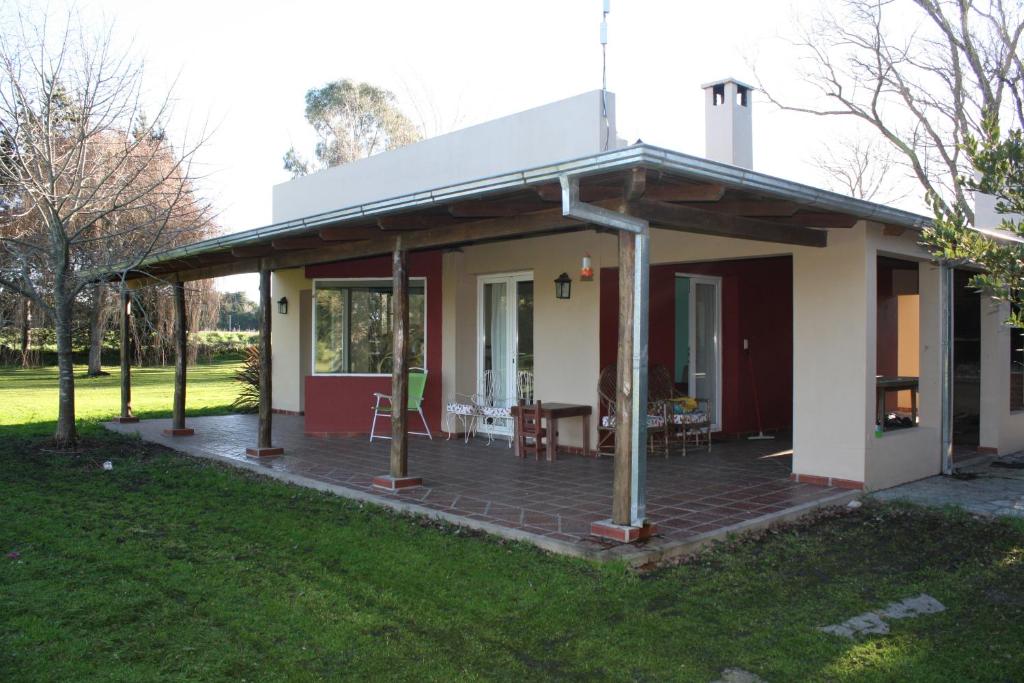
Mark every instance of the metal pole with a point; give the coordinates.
(946, 302)
(638, 436)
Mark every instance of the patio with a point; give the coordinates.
(739, 485)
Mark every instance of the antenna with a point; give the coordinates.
(606, 8)
(604, 44)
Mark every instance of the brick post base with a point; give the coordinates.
(386, 481)
(621, 533)
(264, 452)
(187, 431)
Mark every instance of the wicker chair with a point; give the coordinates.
(686, 428)
(607, 390)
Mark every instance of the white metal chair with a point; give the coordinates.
(384, 407)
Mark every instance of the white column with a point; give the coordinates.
(834, 322)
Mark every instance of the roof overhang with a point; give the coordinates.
(682, 192)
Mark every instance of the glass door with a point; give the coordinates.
(698, 339)
(504, 343)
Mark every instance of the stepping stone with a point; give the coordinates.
(874, 622)
(909, 608)
(860, 625)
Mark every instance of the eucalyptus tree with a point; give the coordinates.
(352, 121)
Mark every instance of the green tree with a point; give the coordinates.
(998, 162)
(237, 312)
(352, 121)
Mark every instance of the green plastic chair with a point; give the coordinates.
(383, 407)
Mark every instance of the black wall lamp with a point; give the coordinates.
(563, 286)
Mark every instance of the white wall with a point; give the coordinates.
(552, 133)
(833, 334)
(566, 344)
(1002, 430)
(286, 339)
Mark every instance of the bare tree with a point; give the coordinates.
(860, 167)
(922, 73)
(85, 195)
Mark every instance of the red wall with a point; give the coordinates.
(757, 304)
(344, 405)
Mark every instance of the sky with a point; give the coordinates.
(241, 69)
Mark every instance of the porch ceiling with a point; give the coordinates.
(680, 192)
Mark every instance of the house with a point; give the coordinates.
(788, 307)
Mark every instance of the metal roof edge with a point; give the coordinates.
(649, 156)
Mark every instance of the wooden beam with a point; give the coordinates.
(465, 232)
(266, 359)
(818, 219)
(635, 184)
(180, 356)
(588, 193)
(252, 251)
(399, 362)
(414, 221)
(244, 265)
(891, 230)
(481, 208)
(345, 233)
(689, 219)
(622, 475)
(214, 259)
(685, 193)
(752, 207)
(538, 222)
(295, 243)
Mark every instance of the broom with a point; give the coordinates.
(760, 436)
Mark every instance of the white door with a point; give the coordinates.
(504, 340)
(703, 334)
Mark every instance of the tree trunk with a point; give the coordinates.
(26, 335)
(66, 435)
(97, 328)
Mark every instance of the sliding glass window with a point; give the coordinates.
(353, 326)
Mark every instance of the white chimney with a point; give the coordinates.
(727, 122)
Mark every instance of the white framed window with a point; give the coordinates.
(352, 326)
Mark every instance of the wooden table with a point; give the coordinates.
(886, 384)
(552, 413)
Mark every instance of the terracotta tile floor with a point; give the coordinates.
(736, 482)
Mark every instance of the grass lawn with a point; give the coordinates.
(28, 398)
(169, 568)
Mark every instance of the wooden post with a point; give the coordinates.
(400, 363)
(265, 445)
(398, 476)
(126, 358)
(628, 522)
(178, 427)
(621, 488)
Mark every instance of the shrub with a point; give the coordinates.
(248, 400)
